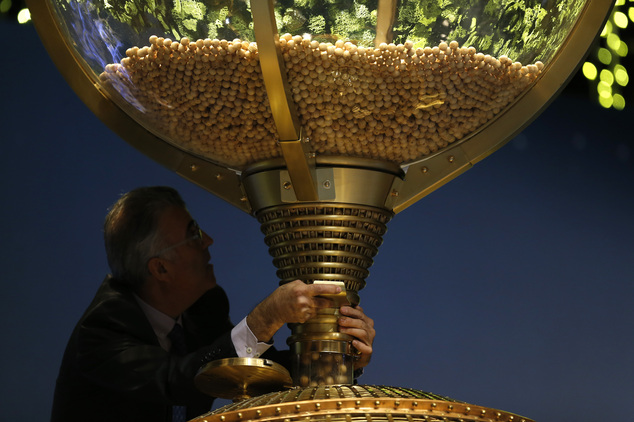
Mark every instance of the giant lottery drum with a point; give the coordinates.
(323, 119)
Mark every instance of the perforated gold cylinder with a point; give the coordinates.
(324, 241)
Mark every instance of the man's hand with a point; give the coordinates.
(289, 303)
(357, 324)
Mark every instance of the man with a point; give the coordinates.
(122, 363)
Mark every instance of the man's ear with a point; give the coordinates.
(157, 268)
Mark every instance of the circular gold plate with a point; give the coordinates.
(242, 378)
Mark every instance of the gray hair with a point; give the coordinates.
(130, 231)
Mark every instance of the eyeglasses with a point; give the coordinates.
(198, 235)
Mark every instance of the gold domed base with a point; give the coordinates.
(355, 403)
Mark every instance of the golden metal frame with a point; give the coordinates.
(274, 72)
(385, 15)
(295, 150)
(422, 177)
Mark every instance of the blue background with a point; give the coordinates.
(510, 287)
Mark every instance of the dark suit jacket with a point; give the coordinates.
(115, 370)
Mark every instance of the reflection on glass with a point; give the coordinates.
(381, 79)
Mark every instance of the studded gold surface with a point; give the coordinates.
(356, 403)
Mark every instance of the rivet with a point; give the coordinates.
(450, 407)
(317, 406)
(433, 405)
(467, 409)
(278, 410)
(511, 418)
(239, 415)
(424, 170)
(258, 412)
(287, 185)
(222, 417)
(394, 193)
(498, 415)
(326, 184)
(312, 155)
(377, 403)
(218, 176)
(193, 167)
(451, 158)
(339, 404)
(414, 404)
(357, 403)
(483, 412)
(243, 199)
(297, 407)
(397, 403)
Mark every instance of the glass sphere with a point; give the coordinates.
(394, 81)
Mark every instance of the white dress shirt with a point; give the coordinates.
(244, 341)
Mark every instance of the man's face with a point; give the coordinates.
(187, 256)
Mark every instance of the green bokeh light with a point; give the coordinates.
(620, 75)
(618, 102)
(620, 20)
(614, 41)
(607, 77)
(5, 6)
(589, 71)
(604, 89)
(604, 56)
(606, 101)
(24, 16)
